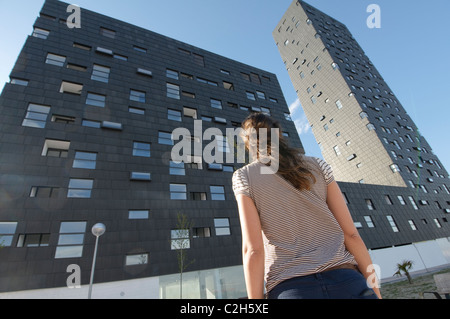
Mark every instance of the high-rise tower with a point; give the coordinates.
(394, 184)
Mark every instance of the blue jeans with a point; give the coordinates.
(333, 284)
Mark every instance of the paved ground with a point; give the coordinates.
(404, 290)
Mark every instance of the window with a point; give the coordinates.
(7, 231)
(217, 104)
(141, 149)
(85, 160)
(54, 59)
(140, 176)
(394, 168)
(287, 116)
(217, 192)
(172, 74)
(19, 81)
(222, 226)
(250, 96)
(56, 148)
(412, 224)
(363, 115)
(255, 78)
(413, 202)
(71, 238)
(369, 221)
(120, 57)
(339, 104)
(139, 49)
(370, 127)
(188, 94)
(392, 223)
(76, 67)
(36, 116)
(144, 72)
(173, 91)
(176, 168)
(201, 232)
(44, 192)
(136, 259)
(336, 150)
(198, 59)
(108, 33)
(95, 99)
(104, 51)
(33, 240)
(112, 125)
(189, 112)
(138, 96)
(90, 123)
(401, 200)
(174, 115)
(165, 138)
(136, 110)
(69, 87)
(178, 191)
(100, 73)
(198, 196)
(335, 66)
(40, 33)
(80, 188)
(370, 204)
(138, 214)
(388, 200)
(438, 224)
(81, 46)
(228, 86)
(261, 95)
(179, 239)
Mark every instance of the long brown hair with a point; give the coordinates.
(291, 165)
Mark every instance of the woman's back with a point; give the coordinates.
(301, 235)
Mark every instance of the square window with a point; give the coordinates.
(141, 149)
(138, 96)
(95, 99)
(217, 192)
(165, 138)
(178, 191)
(40, 33)
(69, 87)
(85, 160)
(100, 73)
(36, 115)
(173, 91)
(174, 115)
(80, 188)
(222, 226)
(55, 59)
(176, 168)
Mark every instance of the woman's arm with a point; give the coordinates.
(352, 240)
(252, 247)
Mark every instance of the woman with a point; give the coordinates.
(297, 232)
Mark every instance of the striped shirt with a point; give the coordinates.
(301, 235)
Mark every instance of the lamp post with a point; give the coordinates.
(97, 230)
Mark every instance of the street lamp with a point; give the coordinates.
(97, 230)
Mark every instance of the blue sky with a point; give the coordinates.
(410, 50)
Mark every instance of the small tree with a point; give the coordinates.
(405, 266)
(180, 242)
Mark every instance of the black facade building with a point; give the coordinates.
(86, 137)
